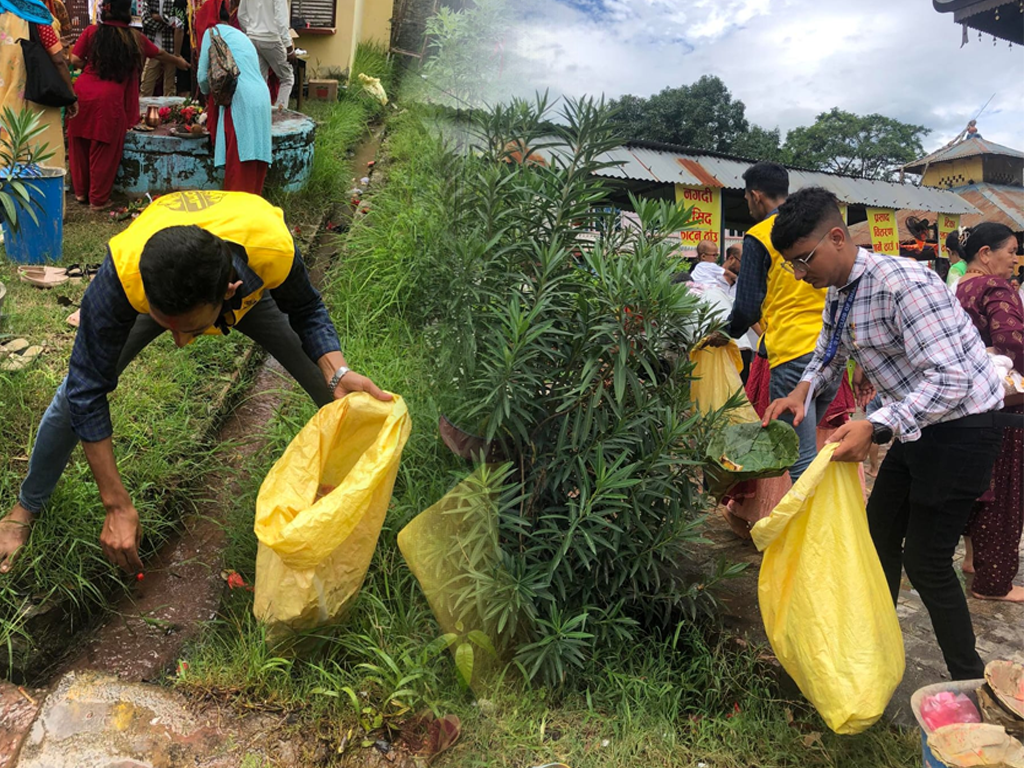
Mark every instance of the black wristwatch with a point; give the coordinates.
(880, 434)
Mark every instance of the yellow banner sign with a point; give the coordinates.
(885, 237)
(845, 213)
(948, 222)
(707, 214)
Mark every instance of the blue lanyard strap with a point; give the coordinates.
(840, 324)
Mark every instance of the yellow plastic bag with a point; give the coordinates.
(320, 510)
(824, 600)
(717, 378)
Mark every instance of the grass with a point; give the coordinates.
(162, 411)
(687, 698)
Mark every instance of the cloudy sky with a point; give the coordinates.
(787, 60)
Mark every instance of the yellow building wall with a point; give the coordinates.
(335, 50)
(954, 173)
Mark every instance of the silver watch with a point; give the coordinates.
(336, 378)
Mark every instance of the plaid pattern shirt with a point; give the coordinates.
(158, 32)
(107, 319)
(914, 342)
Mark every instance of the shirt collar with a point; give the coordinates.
(860, 265)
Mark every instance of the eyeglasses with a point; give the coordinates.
(800, 265)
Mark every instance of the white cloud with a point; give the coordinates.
(788, 60)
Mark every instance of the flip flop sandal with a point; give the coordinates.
(18, 354)
(74, 272)
(92, 269)
(75, 318)
(43, 277)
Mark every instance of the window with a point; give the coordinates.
(317, 16)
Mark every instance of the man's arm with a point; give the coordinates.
(751, 287)
(107, 319)
(308, 317)
(931, 324)
(283, 23)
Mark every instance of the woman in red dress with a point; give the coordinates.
(994, 304)
(108, 99)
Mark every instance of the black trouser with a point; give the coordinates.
(922, 499)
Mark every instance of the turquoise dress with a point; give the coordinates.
(250, 106)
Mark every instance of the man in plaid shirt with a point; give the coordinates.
(160, 25)
(939, 390)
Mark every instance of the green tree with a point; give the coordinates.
(703, 115)
(760, 144)
(873, 146)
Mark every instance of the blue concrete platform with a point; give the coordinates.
(158, 163)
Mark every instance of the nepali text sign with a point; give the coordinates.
(707, 214)
(948, 222)
(885, 237)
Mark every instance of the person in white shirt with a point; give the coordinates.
(266, 23)
(707, 271)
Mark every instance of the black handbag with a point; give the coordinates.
(43, 85)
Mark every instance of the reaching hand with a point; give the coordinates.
(355, 382)
(783, 405)
(71, 109)
(120, 538)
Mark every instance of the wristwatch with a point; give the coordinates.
(336, 378)
(880, 433)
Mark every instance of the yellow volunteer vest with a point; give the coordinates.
(239, 217)
(792, 309)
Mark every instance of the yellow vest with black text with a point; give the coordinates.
(792, 308)
(239, 217)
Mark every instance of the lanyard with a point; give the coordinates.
(840, 324)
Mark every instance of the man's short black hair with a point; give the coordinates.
(802, 214)
(184, 268)
(768, 178)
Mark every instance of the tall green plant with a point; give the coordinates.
(20, 156)
(567, 352)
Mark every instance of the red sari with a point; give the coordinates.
(106, 110)
(994, 306)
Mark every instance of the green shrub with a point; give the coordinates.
(568, 355)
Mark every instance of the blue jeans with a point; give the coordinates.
(784, 379)
(265, 324)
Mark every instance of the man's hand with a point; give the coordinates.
(854, 439)
(789, 404)
(72, 109)
(120, 538)
(863, 390)
(290, 54)
(14, 531)
(355, 382)
(716, 339)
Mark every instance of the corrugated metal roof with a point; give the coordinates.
(993, 203)
(644, 163)
(969, 147)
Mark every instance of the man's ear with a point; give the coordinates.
(232, 290)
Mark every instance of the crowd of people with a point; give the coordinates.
(118, 63)
(923, 355)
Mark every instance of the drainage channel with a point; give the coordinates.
(183, 586)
